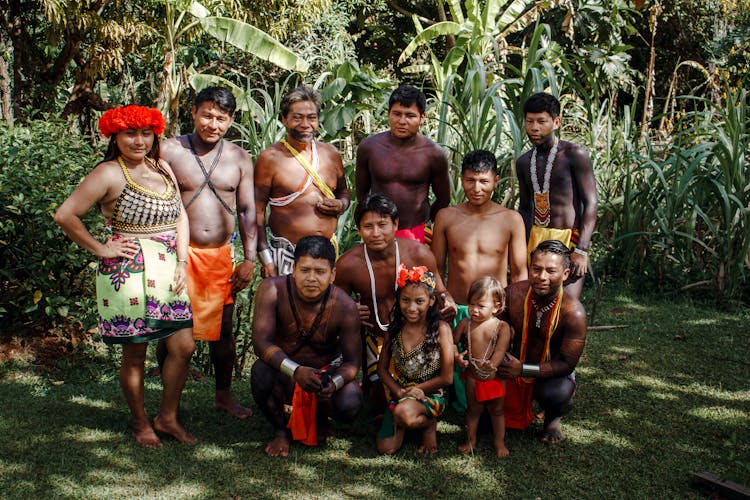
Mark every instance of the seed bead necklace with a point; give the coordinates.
(382, 326)
(481, 372)
(540, 311)
(541, 196)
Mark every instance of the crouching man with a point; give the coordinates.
(306, 337)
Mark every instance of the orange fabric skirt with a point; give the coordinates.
(486, 390)
(518, 396)
(208, 274)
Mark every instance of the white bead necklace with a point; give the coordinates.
(382, 326)
(541, 195)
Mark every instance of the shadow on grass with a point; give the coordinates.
(661, 399)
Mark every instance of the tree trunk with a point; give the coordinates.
(5, 107)
(167, 100)
(83, 97)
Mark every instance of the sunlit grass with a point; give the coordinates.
(658, 400)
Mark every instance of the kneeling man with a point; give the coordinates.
(549, 326)
(306, 337)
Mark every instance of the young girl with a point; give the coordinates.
(487, 339)
(421, 348)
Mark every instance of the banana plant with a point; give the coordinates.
(185, 17)
(480, 31)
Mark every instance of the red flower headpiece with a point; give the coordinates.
(133, 116)
(416, 275)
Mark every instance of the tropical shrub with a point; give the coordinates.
(44, 274)
(684, 217)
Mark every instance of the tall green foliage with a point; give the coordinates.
(44, 274)
(685, 216)
(480, 107)
(477, 28)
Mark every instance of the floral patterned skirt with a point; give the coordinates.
(135, 298)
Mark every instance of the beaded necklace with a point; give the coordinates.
(382, 326)
(528, 305)
(541, 310)
(481, 372)
(542, 211)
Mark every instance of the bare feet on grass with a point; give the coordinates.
(466, 448)
(552, 432)
(279, 445)
(225, 401)
(145, 436)
(501, 451)
(174, 429)
(429, 438)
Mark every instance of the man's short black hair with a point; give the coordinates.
(541, 102)
(317, 247)
(377, 202)
(299, 94)
(553, 246)
(221, 96)
(479, 160)
(406, 95)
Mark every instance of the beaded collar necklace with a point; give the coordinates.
(540, 311)
(481, 372)
(382, 326)
(542, 211)
(528, 305)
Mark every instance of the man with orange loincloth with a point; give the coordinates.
(306, 337)
(549, 328)
(403, 164)
(216, 182)
(302, 180)
(557, 189)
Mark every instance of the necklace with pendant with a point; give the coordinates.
(541, 195)
(540, 311)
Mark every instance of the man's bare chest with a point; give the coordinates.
(224, 178)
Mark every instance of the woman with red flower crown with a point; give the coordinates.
(140, 282)
(416, 363)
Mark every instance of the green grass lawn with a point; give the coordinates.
(658, 400)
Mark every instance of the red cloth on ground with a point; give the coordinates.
(302, 419)
(518, 396)
(486, 390)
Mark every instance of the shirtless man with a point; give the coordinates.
(306, 337)
(555, 322)
(381, 253)
(479, 236)
(403, 164)
(302, 180)
(216, 182)
(558, 199)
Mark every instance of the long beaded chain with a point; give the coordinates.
(481, 372)
(541, 196)
(382, 326)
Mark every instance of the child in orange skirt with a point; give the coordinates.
(487, 339)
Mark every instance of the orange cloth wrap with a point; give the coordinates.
(518, 395)
(302, 419)
(208, 274)
(486, 390)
